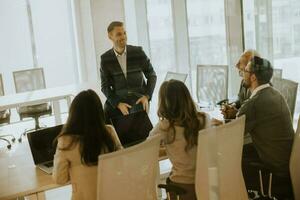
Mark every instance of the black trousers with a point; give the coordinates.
(281, 186)
(189, 188)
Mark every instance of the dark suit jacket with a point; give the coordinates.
(116, 87)
(244, 94)
(268, 120)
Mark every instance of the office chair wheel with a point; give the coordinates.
(20, 139)
(13, 139)
(8, 146)
(252, 194)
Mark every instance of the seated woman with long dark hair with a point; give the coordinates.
(179, 125)
(83, 138)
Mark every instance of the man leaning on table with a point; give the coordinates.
(268, 121)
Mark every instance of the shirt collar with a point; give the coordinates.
(257, 89)
(124, 52)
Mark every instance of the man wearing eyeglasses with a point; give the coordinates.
(268, 121)
(229, 111)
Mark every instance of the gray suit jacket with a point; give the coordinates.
(268, 120)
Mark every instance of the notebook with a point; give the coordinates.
(42, 147)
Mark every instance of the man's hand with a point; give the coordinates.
(123, 107)
(229, 111)
(145, 102)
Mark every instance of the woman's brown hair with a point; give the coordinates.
(177, 106)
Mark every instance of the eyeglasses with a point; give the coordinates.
(242, 72)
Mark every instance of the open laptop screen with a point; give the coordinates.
(41, 144)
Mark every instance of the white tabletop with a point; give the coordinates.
(46, 95)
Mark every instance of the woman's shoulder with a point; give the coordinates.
(164, 124)
(64, 141)
(161, 127)
(110, 129)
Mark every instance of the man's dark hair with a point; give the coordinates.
(114, 24)
(262, 69)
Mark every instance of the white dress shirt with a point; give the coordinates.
(122, 59)
(261, 87)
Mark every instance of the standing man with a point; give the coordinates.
(122, 74)
(268, 120)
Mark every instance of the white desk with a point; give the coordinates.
(48, 95)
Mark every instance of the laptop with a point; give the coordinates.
(42, 147)
(133, 128)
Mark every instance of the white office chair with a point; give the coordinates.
(131, 173)
(219, 156)
(295, 163)
(5, 118)
(176, 76)
(30, 80)
(212, 83)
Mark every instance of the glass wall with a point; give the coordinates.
(207, 34)
(54, 39)
(272, 27)
(161, 36)
(37, 29)
(15, 48)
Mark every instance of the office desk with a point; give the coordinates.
(19, 176)
(48, 95)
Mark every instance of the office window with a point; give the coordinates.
(207, 32)
(15, 43)
(161, 35)
(273, 29)
(54, 39)
(41, 31)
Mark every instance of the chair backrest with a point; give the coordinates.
(212, 83)
(288, 89)
(177, 76)
(277, 73)
(131, 173)
(29, 80)
(295, 163)
(219, 156)
(1, 86)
